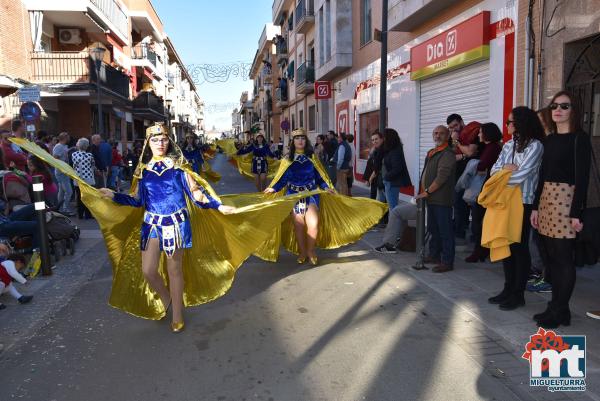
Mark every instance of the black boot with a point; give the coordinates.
(500, 298)
(513, 302)
(545, 314)
(556, 318)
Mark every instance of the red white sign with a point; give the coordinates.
(342, 117)
(438, 53)
(322, 89)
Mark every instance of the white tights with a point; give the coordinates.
(10, 289)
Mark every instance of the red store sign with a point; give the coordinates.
(463, 44)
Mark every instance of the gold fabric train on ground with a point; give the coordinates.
(220, 243)
(342, 219)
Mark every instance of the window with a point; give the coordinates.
(369, 122)
(327, 30)
(293, 122)
(321, 39)
(129, 132)
(117, 129)
(291, 22)
(365, 22)
(301, 118)
(311, 117)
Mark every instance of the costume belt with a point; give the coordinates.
(162, 220)
(259, 158)
(300, 188)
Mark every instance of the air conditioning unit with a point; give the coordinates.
(69, 36)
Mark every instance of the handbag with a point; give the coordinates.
(474, 189)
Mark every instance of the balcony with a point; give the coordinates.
(149, 106)
(281, 50)
(76, 68)
(304, 17)
(305, 78)
(406, 15)
(281, 97)
(144, 52)
(113, 13)
(278, 10)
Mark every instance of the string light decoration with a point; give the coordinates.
(218, 73)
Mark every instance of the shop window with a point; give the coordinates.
(365, 22)
(312, 117)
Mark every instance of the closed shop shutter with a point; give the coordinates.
(464, 91)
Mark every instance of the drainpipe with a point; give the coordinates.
(527, 97)
(540, 65)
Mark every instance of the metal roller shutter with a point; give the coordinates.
(464, 91)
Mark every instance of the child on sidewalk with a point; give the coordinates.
(9, 271)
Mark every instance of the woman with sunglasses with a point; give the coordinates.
(522, 155)
(346, 219)
(559, 203)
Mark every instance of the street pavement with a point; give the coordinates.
(359, 326)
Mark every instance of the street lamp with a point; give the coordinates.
(97, 54)
(169, 103)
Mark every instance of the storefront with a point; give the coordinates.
(464, 66)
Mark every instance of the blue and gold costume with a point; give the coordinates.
(301, 176)
(193, 154)
(161, 192)
(259, 159)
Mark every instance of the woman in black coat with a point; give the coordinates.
(394, 171)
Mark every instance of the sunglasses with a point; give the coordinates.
(564, 106)
(159, 140)
(509, 122)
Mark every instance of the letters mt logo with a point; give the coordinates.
(556, 362)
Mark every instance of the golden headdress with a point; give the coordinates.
(175, 152)
(298, 132)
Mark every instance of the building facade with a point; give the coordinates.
(103, 67)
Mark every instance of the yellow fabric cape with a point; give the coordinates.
(208, 173)
(342, 219)
(244, 162)
(220, 243)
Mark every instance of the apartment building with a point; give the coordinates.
(71, 48)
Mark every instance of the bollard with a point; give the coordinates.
(40, 209)
(420, 240)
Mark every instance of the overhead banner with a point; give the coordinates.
(463, 44)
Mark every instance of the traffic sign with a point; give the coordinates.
(285, 125)
(29, 94)
(322, 89)
(30, 112)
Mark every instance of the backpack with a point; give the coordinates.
(61, 227)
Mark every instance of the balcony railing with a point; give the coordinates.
(305, 73)
(76, 67)
(281, 97)
(304, 16)
(149, 105)
(143, 51)
(113, 12)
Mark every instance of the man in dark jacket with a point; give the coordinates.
(342, 163)
(437, 188)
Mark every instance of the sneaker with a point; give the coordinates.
(25, 299)
(533, 277)
(539, 286)
(594, 314)
(386, 248)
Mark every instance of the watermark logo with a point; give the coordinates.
(556, 362)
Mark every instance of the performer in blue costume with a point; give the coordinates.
(193, 153)
(300, 176)
(162, 190)
(260, 150)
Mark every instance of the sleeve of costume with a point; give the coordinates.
(128, 200)
(245, 150)
(531, 163)
(269, 153)
(583, 162)
(9, 265)
(211, 203)
(278, 186)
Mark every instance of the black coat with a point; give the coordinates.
(396, 171)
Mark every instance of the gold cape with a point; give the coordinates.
(208, 173)
(342, 219)
(221, 243)
(244, 162)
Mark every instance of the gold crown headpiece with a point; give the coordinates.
(156, 129)
(298, 132)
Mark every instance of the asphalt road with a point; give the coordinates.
(356, 327)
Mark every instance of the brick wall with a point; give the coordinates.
(15, 39)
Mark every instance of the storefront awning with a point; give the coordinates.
(8, 85)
